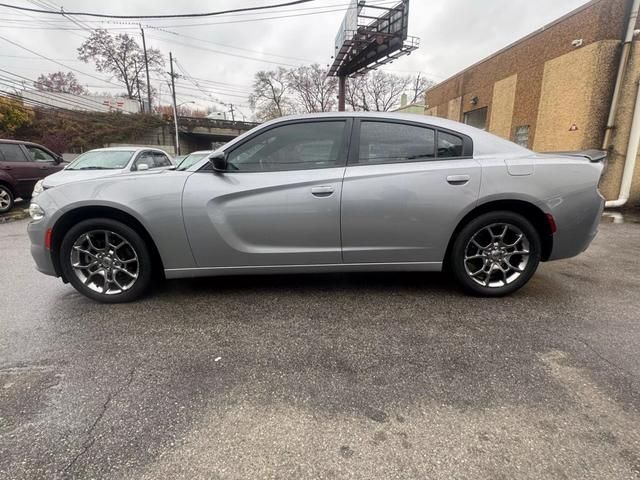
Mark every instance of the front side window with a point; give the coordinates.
(102, 160)
(299, 146)
(145, 158)
(39, 155)
(382, 142)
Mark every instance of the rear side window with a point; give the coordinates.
(10, 152)
(449, 145)
(382, 142)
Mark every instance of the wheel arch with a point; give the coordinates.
(530, 211)
(6, 183)
(70, 218)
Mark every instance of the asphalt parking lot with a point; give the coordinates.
(325, 376)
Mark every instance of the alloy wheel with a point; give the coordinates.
(5, 199)
(105, 262)
(496, 255)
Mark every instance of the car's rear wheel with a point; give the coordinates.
(6, 199)
(495, 254)
(106, 260)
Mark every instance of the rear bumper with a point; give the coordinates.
(578, 219)
(41, 255)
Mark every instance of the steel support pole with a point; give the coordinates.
(342, 84)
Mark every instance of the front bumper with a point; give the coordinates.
(41, 255)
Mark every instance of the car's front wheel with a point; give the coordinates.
(495, 254)
(6, 199)
(106, 260)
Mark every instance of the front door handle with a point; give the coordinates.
(458, 179)
(322, 191)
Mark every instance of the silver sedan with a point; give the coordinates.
(325, 193)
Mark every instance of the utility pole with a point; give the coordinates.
(135, 66)
(233, 118)
(175, 108)
(342, 80)
(146, 66)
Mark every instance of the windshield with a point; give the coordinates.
(102, 160)
(191, 159)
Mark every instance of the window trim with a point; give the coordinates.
(467, 142)
(342, 157)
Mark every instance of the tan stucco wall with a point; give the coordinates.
(453, 112)
(572, 89)
(433, 111)
(504, 95)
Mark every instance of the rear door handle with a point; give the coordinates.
(458, 179)
(322, 191)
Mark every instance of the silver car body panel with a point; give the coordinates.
(398, 216)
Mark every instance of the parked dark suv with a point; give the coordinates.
(22, 164)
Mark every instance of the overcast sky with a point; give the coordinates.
(453, 34)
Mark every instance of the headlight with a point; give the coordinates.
(38, 189)
(36, 212)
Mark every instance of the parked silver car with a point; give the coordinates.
(106, 162)
(323, 193)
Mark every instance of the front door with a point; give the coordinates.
(24, 172)
(404, 190)
(278, 202)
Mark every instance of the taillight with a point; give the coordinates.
(47, 239)
(552, 223)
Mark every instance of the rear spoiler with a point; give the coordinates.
(592, 155)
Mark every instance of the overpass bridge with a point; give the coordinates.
(197, 133)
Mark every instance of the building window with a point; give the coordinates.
(477, 118)
(521, 136)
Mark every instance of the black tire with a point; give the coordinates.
(136, 244)
(6, 199)
(498, 283)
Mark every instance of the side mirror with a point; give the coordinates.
(219, 162)
(59, 159)
(142, 167)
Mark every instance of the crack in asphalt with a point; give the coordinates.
(89, 443)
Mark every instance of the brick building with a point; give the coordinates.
(552, 90)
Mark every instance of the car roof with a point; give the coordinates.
(125, 149)
(19, 142)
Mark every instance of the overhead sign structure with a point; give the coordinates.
(370, 36)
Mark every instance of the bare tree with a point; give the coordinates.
(378, 91)
(313, 90)
(121, 56)
(270, 94)
(60, 82)
(419, 85)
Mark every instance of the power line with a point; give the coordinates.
(182, 15)
(54, 61)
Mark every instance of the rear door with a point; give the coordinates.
(277, 204)
(404, 190)
(24, 172)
